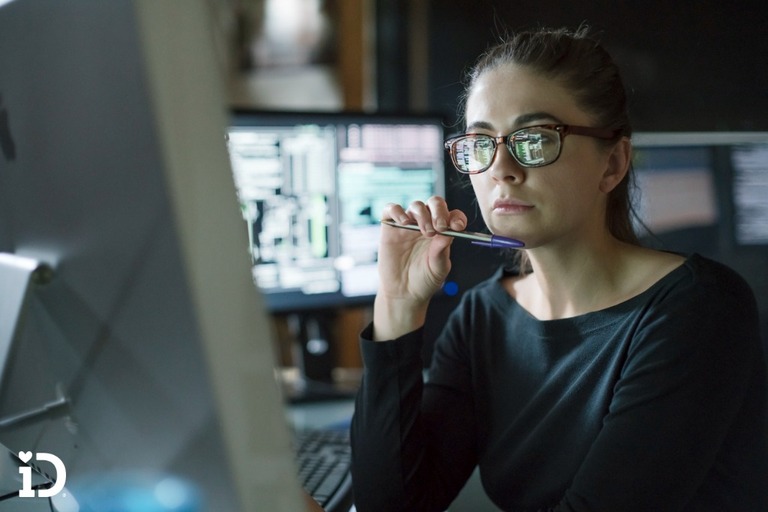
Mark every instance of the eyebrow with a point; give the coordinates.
(519, 121)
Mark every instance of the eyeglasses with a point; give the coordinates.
(533, 146)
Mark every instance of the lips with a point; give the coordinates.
(508, 205)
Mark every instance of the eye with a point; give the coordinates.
(540, 136)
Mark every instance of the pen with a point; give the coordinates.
(495, 241)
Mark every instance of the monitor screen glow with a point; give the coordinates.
(312, 187)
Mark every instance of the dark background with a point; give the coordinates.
(688, 65)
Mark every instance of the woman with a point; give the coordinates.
(593, 375)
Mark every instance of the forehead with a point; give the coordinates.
(508, 96)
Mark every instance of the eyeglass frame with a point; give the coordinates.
(562, 130)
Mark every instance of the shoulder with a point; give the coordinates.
(716, 279)
(702, 299)
(689, 278)
(714, 272)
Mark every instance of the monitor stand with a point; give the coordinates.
(17, 275)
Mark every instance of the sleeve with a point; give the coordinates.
(681, 391)
(412, 448)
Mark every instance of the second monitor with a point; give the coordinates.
(312, 187)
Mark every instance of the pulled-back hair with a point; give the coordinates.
(578, 62)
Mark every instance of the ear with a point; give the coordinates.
(619, 160)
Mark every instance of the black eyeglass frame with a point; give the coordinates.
(562, 131)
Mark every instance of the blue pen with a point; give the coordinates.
(495, 241)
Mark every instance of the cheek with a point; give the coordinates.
(568, 192)
(579, 195)
(483, 190)
(482, 187)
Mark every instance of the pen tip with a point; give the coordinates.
(500, 241)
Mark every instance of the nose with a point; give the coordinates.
(504, 167)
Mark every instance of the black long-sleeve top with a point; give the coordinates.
(655, 404)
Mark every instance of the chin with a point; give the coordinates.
(504, 227)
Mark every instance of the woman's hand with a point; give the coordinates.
(412, 265)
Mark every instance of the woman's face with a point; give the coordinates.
(540, 205)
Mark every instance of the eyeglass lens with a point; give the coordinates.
(531, 147)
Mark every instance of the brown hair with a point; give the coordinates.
(582, 65)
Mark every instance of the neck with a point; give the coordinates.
(577, 279)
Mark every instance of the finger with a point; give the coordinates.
(419, 211)
(439, 211)
(395, 212)
(458, 220)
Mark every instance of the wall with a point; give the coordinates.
(688, 65)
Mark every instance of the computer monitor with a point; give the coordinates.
(312, 186)
(677, 199)
(677, 185)
(704, 191)
(145, 359)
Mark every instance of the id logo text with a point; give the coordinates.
(26, 475)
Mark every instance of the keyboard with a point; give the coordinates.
(324, 457)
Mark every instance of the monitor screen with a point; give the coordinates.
(143, 361)
(750, 193)
(312, 187)
(677, 187)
